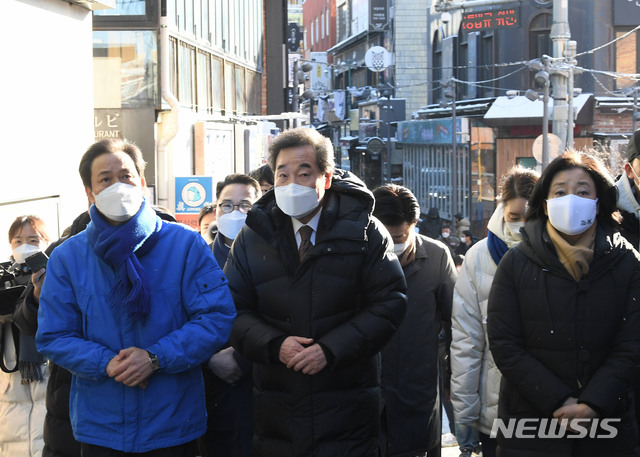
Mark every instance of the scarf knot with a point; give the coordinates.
(120, 246)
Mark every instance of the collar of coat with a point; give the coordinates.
(610, 247)
(346, 212)
(626, 196)
(422, 252)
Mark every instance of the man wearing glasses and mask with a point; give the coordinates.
(227, 374)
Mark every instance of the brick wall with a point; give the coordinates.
(612, 123)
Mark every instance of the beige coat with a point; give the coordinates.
(22, 408)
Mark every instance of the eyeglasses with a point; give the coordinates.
(228, 207)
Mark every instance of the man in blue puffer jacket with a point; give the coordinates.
(132, 306)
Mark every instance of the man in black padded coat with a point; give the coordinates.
(318, 292)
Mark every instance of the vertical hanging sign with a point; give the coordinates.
(378, 15)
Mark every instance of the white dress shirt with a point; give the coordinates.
(313, 223)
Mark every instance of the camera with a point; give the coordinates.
(9, 271)
(9, 293)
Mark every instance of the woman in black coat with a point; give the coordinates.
(563, 321)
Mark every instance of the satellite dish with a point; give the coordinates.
(556, 147)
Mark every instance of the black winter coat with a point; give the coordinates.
(410, 362)
(553, 337)
(348, 296)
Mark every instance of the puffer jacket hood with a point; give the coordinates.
(537, 246)
(347, 211)
(629, 210)
(499, 228)
(626, 199)
(342, 182)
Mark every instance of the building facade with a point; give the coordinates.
(47, 120)
(480, 74)
(187, 81)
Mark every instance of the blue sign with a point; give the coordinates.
(192, 193)
(427, 131)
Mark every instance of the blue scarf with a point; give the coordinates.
(497, 247)
(119, 246)
(220, 250)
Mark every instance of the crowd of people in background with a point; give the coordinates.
(310, 316)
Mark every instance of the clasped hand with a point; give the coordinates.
(223, 364)
(571, 410)
(302, 354)
(131, 367)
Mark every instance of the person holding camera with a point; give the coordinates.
(22, 369)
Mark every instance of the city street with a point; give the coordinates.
(150, 141)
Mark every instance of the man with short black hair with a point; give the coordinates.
(466, 241)
(318, 293)
(452, 242)
(410, 362)
(132, 306)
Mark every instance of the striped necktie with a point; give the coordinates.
(305, 244)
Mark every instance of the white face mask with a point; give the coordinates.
(120, 201)
(445, 234)
(463, 239)
(399, 248)
(23, 251)
(512, 230)
(295, 200)
(571, 214)
(230, 224)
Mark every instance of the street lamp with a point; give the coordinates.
(299, 77)
(384, 103)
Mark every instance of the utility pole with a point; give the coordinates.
(450, 92)
(560, 35)
(454, 146)
(635, 108)
(545, 125)
(571, 60)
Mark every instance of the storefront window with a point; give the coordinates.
(125, 69)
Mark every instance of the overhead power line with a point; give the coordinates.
(609, 43)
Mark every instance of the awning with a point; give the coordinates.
(347, 42)
(349, 140)
(520, 110)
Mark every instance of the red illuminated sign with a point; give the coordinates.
(495, 19)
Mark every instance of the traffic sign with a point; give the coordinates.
(556, 147)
